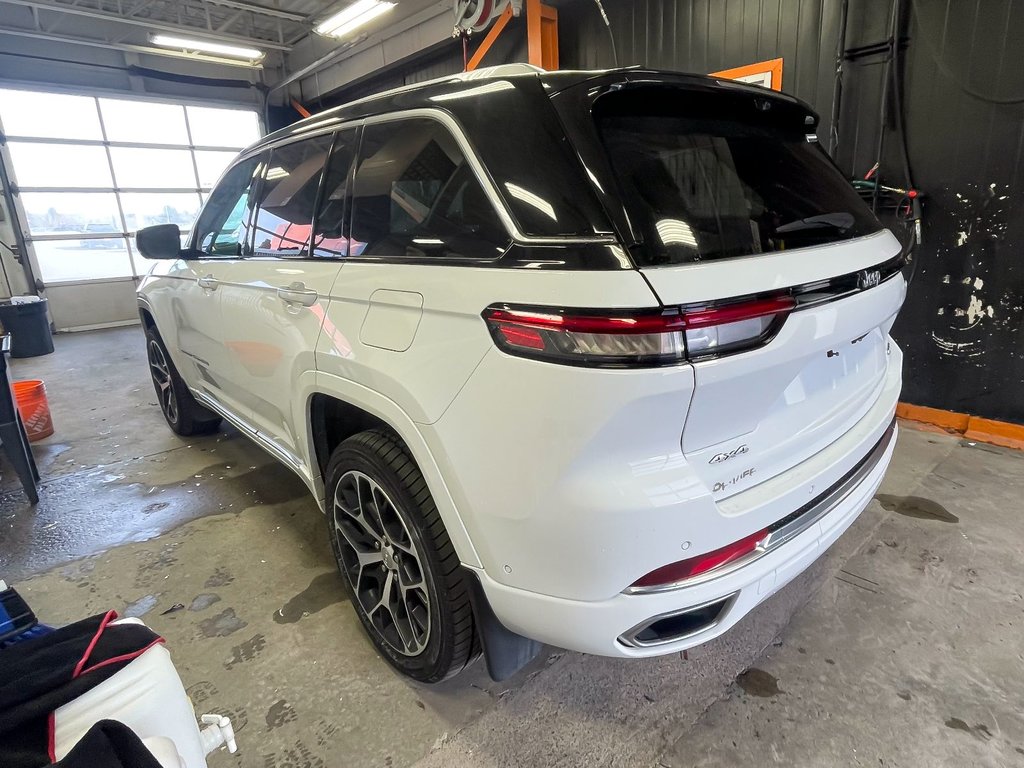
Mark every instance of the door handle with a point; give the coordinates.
(298, 293)
(208, 282)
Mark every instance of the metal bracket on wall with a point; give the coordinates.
(541, 35)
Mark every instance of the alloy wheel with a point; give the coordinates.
(161, 372)
(382, 563)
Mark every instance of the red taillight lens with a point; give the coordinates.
(613, 340)
(635, 338)
(687, 569)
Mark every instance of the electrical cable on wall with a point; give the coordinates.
(611, 36)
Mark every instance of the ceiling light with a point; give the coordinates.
(205, 46)
(353, 17)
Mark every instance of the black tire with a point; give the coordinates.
(184, 415)
(447, 645)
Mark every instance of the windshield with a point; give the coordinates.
(712, 176)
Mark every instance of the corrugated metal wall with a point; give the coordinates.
(962, 327)
(710, 35)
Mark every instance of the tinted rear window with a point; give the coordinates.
(710, 176)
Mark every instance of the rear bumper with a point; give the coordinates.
(609, 627)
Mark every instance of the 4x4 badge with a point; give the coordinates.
(718, 458)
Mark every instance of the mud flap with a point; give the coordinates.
(505, 652)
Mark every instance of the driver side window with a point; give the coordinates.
(223, 227)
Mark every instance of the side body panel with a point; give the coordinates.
(188, 317)
(413, 388)
(272, 312)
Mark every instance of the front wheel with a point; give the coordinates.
(403, 574)
(184, 415)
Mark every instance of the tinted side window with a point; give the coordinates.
(415, 196)
(223, 226)
(331, 239)
(287, 198)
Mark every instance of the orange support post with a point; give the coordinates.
(541, 36)
(300, 109)
(534, 34)
(549, 37)
(492, 35)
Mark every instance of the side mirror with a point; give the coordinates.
(162, 241)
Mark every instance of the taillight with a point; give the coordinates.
(635, 338)
(695, 566)
(734, 327)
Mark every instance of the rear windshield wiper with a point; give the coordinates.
(841, 220)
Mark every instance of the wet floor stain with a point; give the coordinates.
(97, 507)
(246, 651)
(979, 731)
(757, 682)
(221, 577)
(916, 507)
(224, 488)
(203, 601)
(223, 624)
(324, 731)
(326, 589)
(296, 756)
(201, 692)
(280, 713)
(140, 607)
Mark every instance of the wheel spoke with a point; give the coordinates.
(381, 561)
(363, 557)
(357, 515)
(372, 509)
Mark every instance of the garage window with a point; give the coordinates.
(92, 171)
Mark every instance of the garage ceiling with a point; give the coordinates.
(274, 28)
(127, 24)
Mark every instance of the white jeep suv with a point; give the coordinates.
(594, 359)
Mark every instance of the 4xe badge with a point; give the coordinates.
(718, 458)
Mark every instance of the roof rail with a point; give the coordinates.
(498, 70)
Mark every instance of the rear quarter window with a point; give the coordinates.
(709, 176)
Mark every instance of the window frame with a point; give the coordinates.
(514, 234)
(469, 160)
(195, 251)
(254, 213)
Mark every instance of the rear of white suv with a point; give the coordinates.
(612, 382)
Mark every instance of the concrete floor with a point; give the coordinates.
(902, 647)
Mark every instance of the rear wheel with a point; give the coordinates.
(404, 578)
(184, 415)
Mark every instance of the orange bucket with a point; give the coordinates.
(34, 408)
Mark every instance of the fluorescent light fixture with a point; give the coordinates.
(676, 232)
(169, 41)
(353, 17)
(277, 172)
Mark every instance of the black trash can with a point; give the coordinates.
(28, 326)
